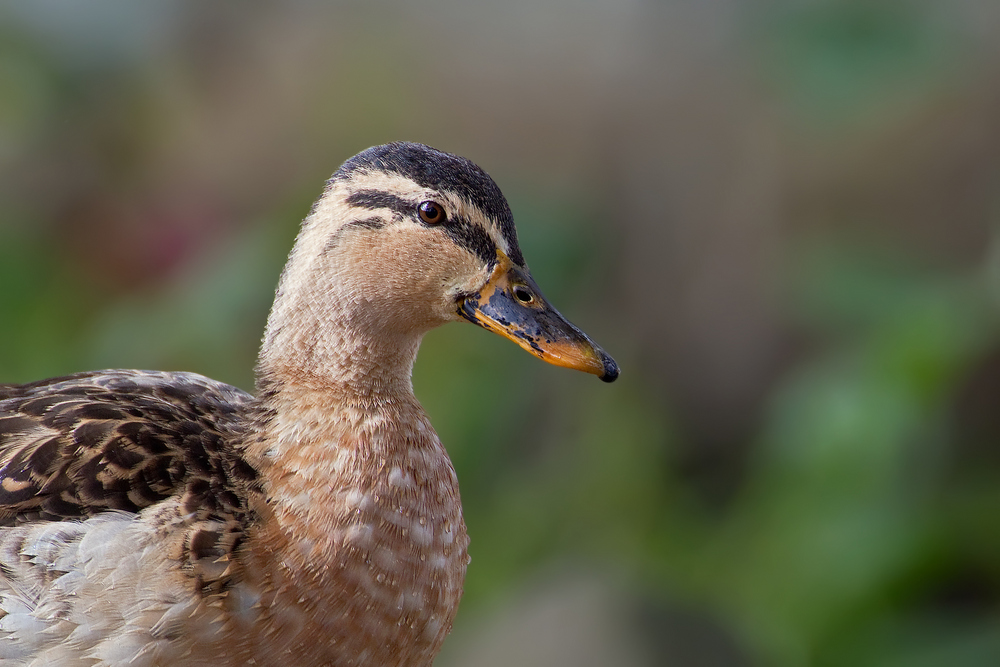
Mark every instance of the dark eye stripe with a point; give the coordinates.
(440, 171)
(473, 238)
(375, 199)
(467, 235)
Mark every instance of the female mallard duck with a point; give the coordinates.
(166, 519)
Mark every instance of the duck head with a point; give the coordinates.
(406, 238)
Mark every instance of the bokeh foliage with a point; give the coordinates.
(153, 179)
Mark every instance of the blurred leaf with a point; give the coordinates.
(838, 61)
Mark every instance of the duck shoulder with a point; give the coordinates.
(75, 446)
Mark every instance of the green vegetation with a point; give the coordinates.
(151, 188)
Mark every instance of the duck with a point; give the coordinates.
(164, 518)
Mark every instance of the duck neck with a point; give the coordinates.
(337, 417)
(363, 522)
(323, 346)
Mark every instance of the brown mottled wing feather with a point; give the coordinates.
(74, 446)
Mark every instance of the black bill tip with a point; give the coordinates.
(610, 368)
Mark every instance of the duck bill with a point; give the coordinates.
(511, 305)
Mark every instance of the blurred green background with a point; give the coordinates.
(780, 217)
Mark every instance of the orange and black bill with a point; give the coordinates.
(511, 305)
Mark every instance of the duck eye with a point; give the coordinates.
(431, 212)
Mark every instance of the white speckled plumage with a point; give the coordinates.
(164, 518)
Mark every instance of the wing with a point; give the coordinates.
(78, 445)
